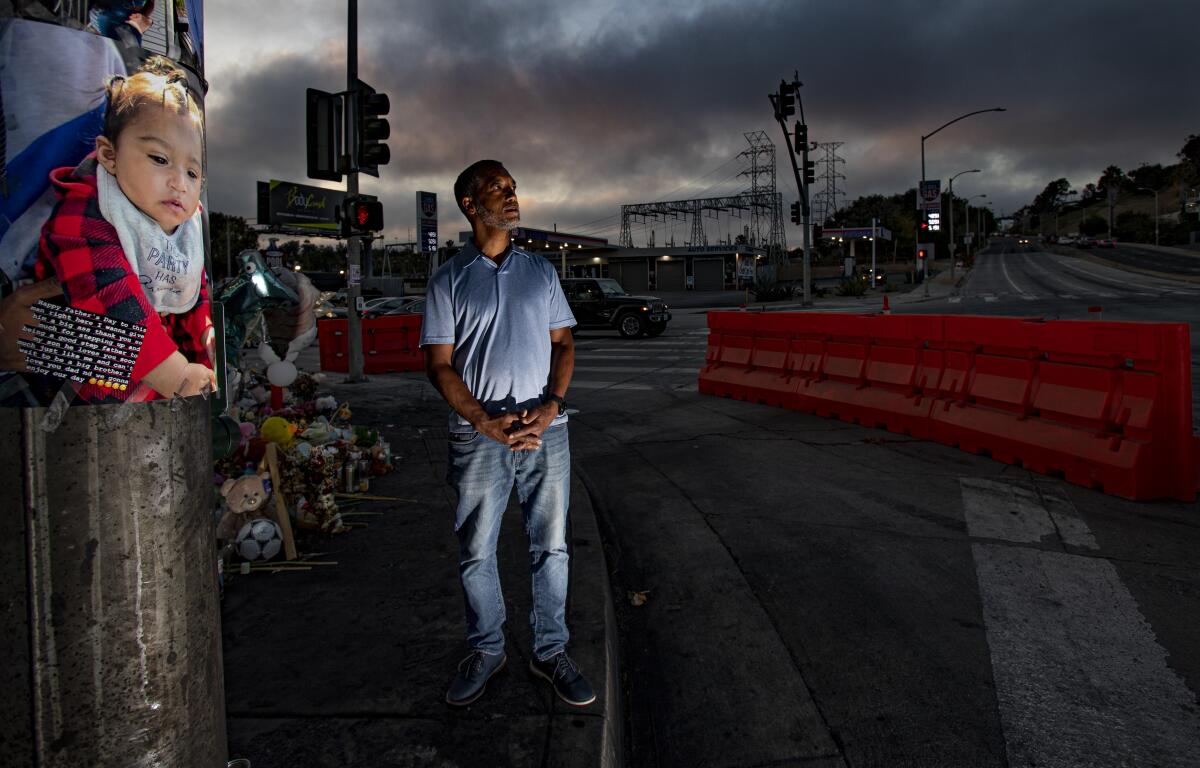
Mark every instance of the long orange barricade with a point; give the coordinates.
(1105, 405)
(390, 344)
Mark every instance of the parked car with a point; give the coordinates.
(601, 303)
(414, 307)
(1085, 242)
(389, 305)
(1106, 242)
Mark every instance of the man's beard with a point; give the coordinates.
(497, 220)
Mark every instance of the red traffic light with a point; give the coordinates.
(360, 215)
(922, 253)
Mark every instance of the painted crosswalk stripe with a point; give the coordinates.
(1080, 677)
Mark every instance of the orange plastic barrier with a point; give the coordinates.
(1105, 405)
(390, 344)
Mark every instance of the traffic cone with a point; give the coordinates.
(887, 307)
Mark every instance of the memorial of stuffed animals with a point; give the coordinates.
(301, 459)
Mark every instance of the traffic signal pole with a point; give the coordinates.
(354, 242)
(781, 102)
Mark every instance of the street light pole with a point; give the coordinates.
(953, 261)
(920, 206)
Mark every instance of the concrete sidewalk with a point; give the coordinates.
(347, 665)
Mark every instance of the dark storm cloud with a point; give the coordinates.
(592, 105)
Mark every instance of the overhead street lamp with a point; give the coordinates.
(930, 135)
(1155, 192)
(953, 260)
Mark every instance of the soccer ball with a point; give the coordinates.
(259, 539)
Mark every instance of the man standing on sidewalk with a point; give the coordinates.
(498, 347)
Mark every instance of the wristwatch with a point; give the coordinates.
(562, 404)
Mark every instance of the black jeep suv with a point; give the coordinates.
(599, 303)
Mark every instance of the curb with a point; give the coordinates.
(589, 568)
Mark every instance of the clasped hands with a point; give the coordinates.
(519, 431)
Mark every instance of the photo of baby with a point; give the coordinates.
(125, 238)
(102, 209)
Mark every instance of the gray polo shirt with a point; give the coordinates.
(499, 320)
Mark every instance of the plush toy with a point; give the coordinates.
(327, 403)
(248, 431)
(278, 430)
(245, 498)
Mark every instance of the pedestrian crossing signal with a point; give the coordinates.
(361, 215)
(922, 254)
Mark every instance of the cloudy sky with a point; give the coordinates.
(595, 103)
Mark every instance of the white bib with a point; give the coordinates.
(170, 267)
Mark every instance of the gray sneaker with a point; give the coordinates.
(473, 674)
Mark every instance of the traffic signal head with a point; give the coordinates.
(370, 129)
(816, 232)
(323, 125)
(810, 172)
(922, 253)
(785, 101)
(801, 137)
(361, 215)
(796, 217)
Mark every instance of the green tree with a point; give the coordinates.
(1112, 176)
(1150, 176)
(228, 236)
(1134, 227)
(1189, 160)
(1050, 198)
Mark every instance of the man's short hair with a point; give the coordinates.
(469, 180)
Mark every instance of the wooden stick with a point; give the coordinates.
(281, 513)
(371, 497)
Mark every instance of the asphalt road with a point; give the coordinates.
(798, 591)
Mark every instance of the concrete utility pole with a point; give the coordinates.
(353, 243)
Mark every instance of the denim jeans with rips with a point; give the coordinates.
(483, 473)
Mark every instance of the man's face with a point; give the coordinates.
(495, 202)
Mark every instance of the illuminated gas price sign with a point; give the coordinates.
(429, 238)
(935, 221)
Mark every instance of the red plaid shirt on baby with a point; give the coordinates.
(83, 250)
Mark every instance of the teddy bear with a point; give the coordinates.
(245, 498)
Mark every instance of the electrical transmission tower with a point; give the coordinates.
(760, 158)
(825, 202)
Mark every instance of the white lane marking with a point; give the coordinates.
(1057, 277)
(955, 299)
(1080, 677)
(1004, 267)
(1067, 296)
(998, 510)
(990, 298)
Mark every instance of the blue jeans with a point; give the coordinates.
(483, 473)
